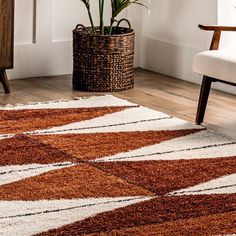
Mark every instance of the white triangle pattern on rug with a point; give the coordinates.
(203, 144)
(4, 136)
(133, 119)
(16, 215)
(13, 173)
(222, 185)
(97, 101)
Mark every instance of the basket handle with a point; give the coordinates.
(127, 21)
(83, 27)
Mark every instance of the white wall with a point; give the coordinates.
(170, 37)
(227, 16)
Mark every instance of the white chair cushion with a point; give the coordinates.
(219, 64)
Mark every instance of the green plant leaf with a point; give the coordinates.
(87, 5)
(119, 5)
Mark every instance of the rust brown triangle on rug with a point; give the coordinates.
(220, 224)
(22, 150)
(183, 215)
(18, 121)
(97, 145)
(81, 181)
(163, 177)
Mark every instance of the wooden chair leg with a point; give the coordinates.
(203, 98)
(4, 80)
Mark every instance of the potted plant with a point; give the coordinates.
(103, 56)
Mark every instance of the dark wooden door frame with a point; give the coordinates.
(207, 81)
(6, 40)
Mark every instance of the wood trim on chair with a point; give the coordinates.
(217, 28)
(215, 40)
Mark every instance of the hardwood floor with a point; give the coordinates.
(163, 93)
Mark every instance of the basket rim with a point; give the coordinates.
(132, 32)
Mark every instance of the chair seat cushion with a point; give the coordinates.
(219, 64)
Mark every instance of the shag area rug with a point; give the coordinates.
(104, 166)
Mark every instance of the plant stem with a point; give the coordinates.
(111, 25)
(101, 11)
(91, 20)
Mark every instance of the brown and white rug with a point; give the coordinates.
(104, 166)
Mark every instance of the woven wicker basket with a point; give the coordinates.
(103, 63)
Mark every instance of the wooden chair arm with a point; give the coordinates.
(217, 28)
(217, 33)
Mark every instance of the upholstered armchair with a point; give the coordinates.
(215, 65)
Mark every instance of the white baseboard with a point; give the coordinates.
(173, 60)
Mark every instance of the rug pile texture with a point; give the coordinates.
(104, 166)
